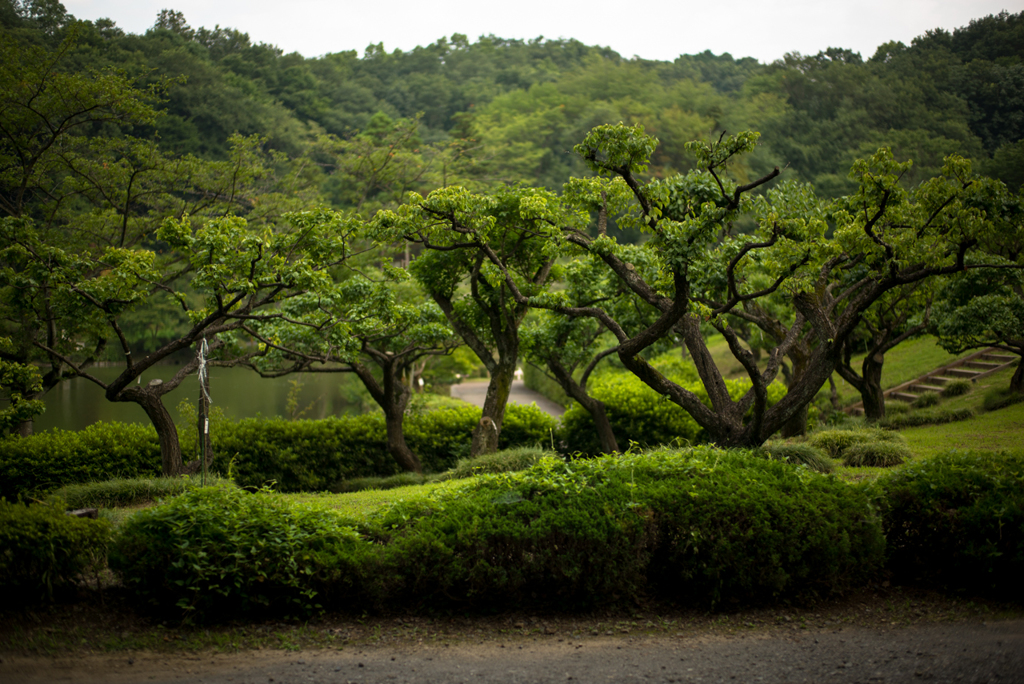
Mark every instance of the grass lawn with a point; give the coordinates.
(905, 362)
(361, 505)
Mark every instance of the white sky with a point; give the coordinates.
(654, 29)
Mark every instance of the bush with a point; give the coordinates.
(957, 519)
(316, 455)
(876, 454)
(925, 400)
(61, 457)
(936, 416)
(957, 388)
(1001, 397)
(220, 551)
(836, 442)
(359, 484)
(798, 454)
(42, 549)
(734, 528)
(128, 492)
(506, 461)
(706, 526)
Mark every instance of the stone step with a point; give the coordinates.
(903, 396)
(983, 365)
(941, 379)
(920, 387)
(998, 357)
(962, 372)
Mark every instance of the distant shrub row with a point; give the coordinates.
(305, 455)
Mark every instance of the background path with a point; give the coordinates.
(475, 392)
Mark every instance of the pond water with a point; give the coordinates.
(239, 392)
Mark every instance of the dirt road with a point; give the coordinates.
(955, 653)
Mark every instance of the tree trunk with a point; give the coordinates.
(24, 428)
(871, 394)
(485, 436)
(1017, 381)
(399, 450)
(796, 425)
(170, 449)
(605, 434)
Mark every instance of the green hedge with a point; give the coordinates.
(315, 455)
(957, 519)
(42, 549)
(304, 455)
(54, 458)
(702, 526)
(222, 551)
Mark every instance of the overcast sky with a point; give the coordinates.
(655, 29)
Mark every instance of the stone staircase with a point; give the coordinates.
(971, 367)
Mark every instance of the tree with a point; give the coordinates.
(462, 235)
(899, 237)
(242, 274)
(897, 316)
(358, 325)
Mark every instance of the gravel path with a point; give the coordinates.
(954, 653)
(475, 392)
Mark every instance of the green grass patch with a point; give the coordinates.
(994, 430)
(128, 492)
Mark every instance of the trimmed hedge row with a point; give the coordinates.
(102, 451)
(957, 520)
(304, 455)
(43, 550)
(702, 526)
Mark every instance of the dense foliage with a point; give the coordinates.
(304, 455)
(958, 520)
(224, 551)
(102, 451)
(702, 526)
(42, 549)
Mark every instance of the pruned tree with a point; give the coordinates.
(462, 235)
(371, 328)
(899, 237)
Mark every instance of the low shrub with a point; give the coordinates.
(925, 400)
(222, 552)
(734, 528)
(957, 520)
(55, 458)
(1001, 397)
(798, 454)
(957, 388)
(699, 525)
(506, 461)
(836, 442)
(42, 549)
(876, 454)
(935, 416)
(128, 491)
(360, 484)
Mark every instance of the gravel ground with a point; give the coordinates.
(966, 652)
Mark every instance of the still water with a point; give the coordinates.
(238, 392)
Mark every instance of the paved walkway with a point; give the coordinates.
(475, 392)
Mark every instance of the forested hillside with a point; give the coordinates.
(498, 110)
